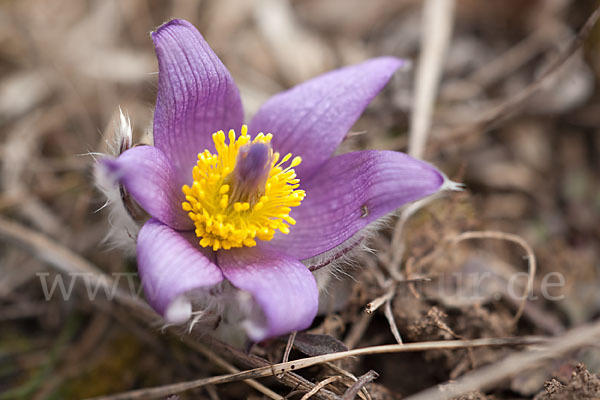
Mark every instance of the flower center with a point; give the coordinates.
(242, 193)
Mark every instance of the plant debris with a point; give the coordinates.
(514, 117)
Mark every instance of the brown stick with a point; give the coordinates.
(487, 376)
(358, 385)
(296, 365)
(65, 261)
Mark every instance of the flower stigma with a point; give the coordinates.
(243, 192)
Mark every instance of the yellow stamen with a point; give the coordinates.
(222, 219)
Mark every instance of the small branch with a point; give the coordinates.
(362, 381)
(363, 393)
(397, 246)
(358, 329)
(321, 385)
(531, 260)
(288, 349)
(387, 310)
(485, 377)
(65, 261)
(379, 301)
(511, 238)
(290, 379)
(220, 362)
(296, 365)
(438, 16)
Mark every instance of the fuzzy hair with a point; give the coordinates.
(337, 262)
(123, 228)
(223, 310)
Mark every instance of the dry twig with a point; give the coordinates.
(487, 376)
(296, 365)
(438, 16)
(321, 385)
(359, 384)
(67, 262)
(511, 238)
(389, 315)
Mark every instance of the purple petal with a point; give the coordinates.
(171, 266)
(284, 289)
(311, 119)
(349, 192)
(196, 96)
(148, 176)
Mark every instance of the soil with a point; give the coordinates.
(532, 190)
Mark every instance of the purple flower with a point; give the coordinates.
(239, 211)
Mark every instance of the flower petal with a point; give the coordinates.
(147, 174)
(311, 119)
(283, 287)
(349, 192)
(196, 96)
(171, 266)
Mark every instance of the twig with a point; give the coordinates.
(220, 362)
(379, 301)
(531, 260)
(387, 310)
(358, 385)
(487, 376)
(321, 385)
(438, 16)
(66, 261)
(212, 392)
(289, 345)
(397, 246)
(358, 329)
(386, 300)
(511, 238)
(296, 365)
(363, 393)
(288, 349)
(290, 379)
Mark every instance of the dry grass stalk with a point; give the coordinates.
(290, 366)
(359, 384)
(321, 385)
(511, 238)
(438, 16)
(485, 377)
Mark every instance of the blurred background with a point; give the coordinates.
(67, 65)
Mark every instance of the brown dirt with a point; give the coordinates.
(67, 65)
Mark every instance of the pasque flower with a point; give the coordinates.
(249, 207)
